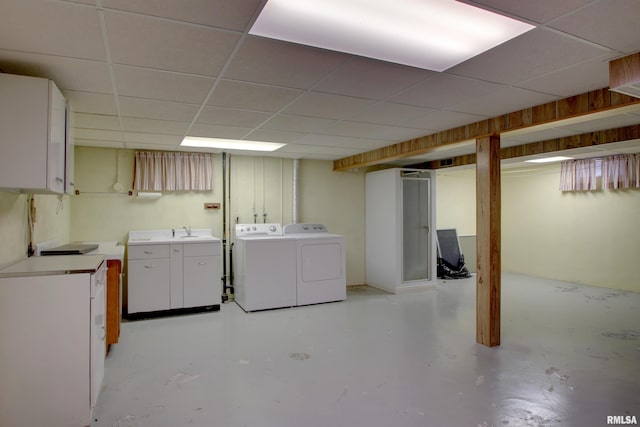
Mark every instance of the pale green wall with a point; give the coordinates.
(101, 213)
(456, 200)
(258, 184)
(582, 237)
(52, 223)
(335, 199)
(588, 237)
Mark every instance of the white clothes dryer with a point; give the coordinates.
(321, 264)
(264, 275)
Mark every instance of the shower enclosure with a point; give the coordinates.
(400, 229)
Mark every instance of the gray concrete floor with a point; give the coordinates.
(570, 356)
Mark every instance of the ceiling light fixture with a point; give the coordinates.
(230, 144)
(549, 159)
(430, 34)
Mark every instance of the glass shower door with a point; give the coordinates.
(416, 233)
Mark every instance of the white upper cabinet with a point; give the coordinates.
(33, 135)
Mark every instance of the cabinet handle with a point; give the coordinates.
(148, 266)
(176, 251)
(202, 263)
(58, 179)
(148, 252)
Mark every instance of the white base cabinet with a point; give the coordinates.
(51, 354)
(173, 276)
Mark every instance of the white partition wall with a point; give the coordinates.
(400, 229)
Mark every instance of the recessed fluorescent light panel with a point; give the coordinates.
(430, 34)
(230, 144)
(549, 159)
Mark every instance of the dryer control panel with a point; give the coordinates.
(264, 229)
(304, 228)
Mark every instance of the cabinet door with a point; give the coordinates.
(57, 140)
(177, 267)
(149, 285)
(202, 281)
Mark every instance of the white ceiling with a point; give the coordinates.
(145, 73)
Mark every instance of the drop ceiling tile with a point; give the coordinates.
(519, 138)
(268, 61)
(612, 122)
(68, 73)
(168, 45)
(614, 27)
(318, 151)
(573, 80)
(297, 123)
(342, 141)
(233, 15)
(250, 96)
(98, 135)
(215, 131)
(443, 91)
(539, 11)
(388, 113)
(328, 106)
(157, 109)
(502, 101)
(539, 51)
(163, 85)
(274, 136)
(95, 121)
(154, 126)
(149, 138)
(373, 131)
(54, 28)
(370, 78)
(231, 117)
(444, 120)
(87, 102)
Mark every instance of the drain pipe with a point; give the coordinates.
(294, 215)
(230, 291)
(225, 296)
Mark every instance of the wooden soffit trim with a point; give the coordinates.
(574, 108)
(590, 139)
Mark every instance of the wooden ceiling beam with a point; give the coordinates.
(574, 107)
(590, 139)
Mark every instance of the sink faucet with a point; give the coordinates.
(188, 230)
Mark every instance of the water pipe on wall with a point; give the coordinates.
(294, 216)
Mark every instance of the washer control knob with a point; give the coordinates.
(272, 228)
(253, 228)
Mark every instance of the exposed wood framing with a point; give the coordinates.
(488, 241)
(552, 145)
(624, 71)
(598, 101)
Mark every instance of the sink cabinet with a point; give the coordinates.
(149, 278)
(173, 276)
(201, 274)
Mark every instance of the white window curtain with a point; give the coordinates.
(622, 171)
(169, 171)
(578, 175)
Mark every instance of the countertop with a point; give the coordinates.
(110, 250)
(151, 237)
(53, 265)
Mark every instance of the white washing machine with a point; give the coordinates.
(264, 268)
(321, 264)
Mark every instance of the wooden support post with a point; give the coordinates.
(488, 240)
